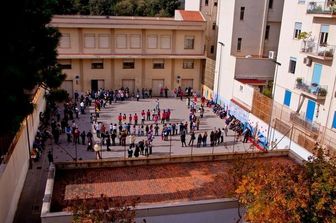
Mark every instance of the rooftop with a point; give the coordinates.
(165, 183)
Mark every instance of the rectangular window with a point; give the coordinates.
(324, 34)
(267, 31)
(334, 121)
(215, 4)
(213, 26)
(121, 41)
(65, 64)
(301, 1)
(128, 64)
(270, 4)
(292, 65)
(239, 44)
(97, 64)
(188, 64)
(158, 64)
(165, 42)
(65, 40)
(189, 42)
(152, 42)
(242, 12)
(104, 41)
(135, 41)
(212, 49)
(89, 40)
(297, 30)
(287, 98)
(206, 3)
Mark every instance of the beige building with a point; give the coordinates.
(135, 52)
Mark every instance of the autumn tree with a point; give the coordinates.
(287, 192)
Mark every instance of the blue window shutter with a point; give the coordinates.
(287, 98)
(334, 121)
(310, 110)
(317, 73)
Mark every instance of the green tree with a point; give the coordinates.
(30, 58)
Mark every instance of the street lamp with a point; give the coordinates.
(219, 69)
(277, 64)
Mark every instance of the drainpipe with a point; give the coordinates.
(331, 99)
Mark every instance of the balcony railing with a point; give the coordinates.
(300, 120)
(326, 7)
(321, 51)
(312, 89)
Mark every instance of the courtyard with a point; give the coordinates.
(65, 151)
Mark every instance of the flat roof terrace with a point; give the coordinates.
(152, 184)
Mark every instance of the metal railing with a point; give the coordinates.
(311, 88)
(317, 49)
(321, 7)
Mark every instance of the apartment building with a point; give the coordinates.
(306, 79)
(248, 37)
(135, 52)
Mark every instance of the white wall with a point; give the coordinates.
(225, 63)
(243, 93)
(13, 173)
(192, 5)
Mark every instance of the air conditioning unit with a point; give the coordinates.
(308, 61)
(271, 55)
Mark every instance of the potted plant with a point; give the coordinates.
(304, 36)
(299, 82)
(322, 92)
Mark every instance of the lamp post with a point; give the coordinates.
(277, 64)
(219, 69)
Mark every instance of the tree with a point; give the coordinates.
(30, 59)
(284, 192)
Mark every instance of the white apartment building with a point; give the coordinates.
(248, 33)
(306, 79)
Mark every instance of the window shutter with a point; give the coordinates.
(165, 42)
(104, 40)
(89, 40)
(65, 40)
(152, 42)
(121, 42)
(135, 41)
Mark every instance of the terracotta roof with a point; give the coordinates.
(191, 15)
(252, 81)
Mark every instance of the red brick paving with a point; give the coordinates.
(159, 183)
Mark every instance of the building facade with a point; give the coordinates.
(209, 10)
(306, 79)
(248, 38)
(135, 52)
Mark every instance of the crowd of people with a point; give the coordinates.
(137, 130)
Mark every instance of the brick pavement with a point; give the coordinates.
(152, 184)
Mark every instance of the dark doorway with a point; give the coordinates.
(94, 85)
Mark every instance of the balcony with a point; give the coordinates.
(312, 90)
(311, 128)
(322, 8)
(318, 51)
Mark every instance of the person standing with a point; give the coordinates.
(183, 138)
(204, 139)
(108, 142)
(192, 138)
(50, 157)
(83, 135)
(199, 140)
(97, 149)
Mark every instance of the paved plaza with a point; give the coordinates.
(67, 151)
